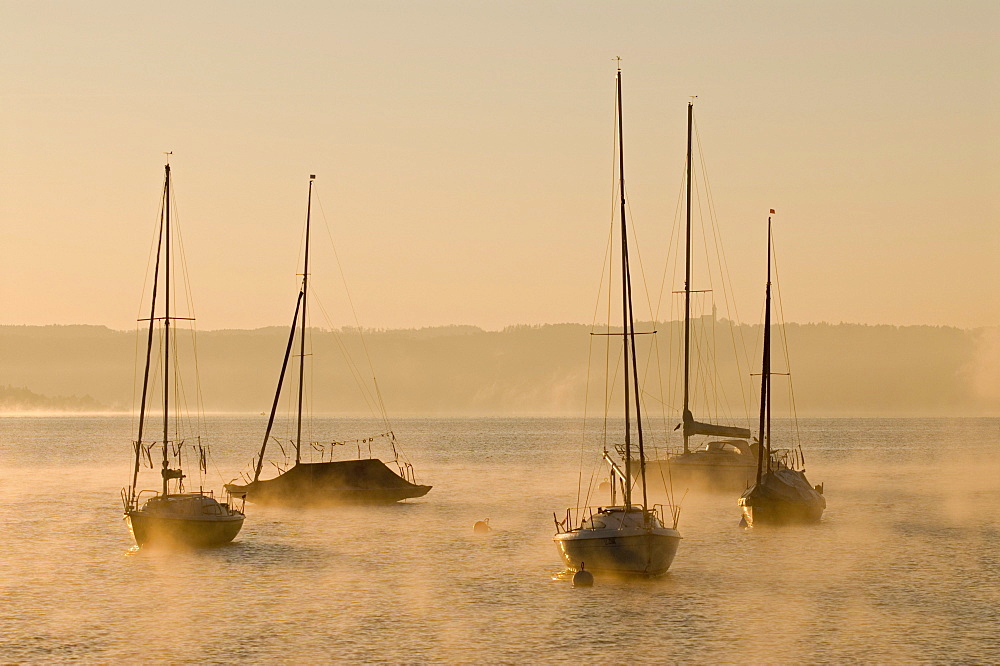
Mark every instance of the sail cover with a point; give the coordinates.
(692, 427)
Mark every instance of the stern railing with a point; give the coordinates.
(575, 517)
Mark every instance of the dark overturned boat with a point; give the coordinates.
(361, 481)
(173, 516)
(779, 495)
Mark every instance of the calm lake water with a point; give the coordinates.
(904, 567)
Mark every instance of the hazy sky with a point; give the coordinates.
(464, 153)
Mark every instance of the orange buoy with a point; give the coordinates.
(482, 527)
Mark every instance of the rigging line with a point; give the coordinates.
(657, 399)
(731, 307)
(672, 241)
(672, 261)
(723, 270)
(179, 269)
(645, 286)
(153, 248)
(653, 358)
(655, 347)
(199, 396)
(369, 398)
(354, 312)
(659, 375)
(192, 330)
(713, 390)
(612, 379)
(135, 380)
(608, 384)
(758, 344)
(606, 272)
(607, 269)
(784, 338)
(590, 359)
(366, 394)
(586, 403)
(672, 247)
(708, 366)
(638, 255)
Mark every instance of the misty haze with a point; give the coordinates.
(838, 369)
(521, 332)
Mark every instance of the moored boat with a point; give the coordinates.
(779, 495)
(362, 481)
(174, 515)
(633, 538)
(622, 541)
(728, 460)
(307, 483)
(185, 519)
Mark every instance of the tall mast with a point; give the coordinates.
(302, 334)
(625, 312)
(764, 437)
(149, 349)
(767, 346)
(687, 281)
(166, 329)
(277, 392)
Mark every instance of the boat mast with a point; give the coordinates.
(149, 349)
(687, 281)
(166, 329)
(764, 437)
(302, 335)
(767, 344)
(277, 392)
(625, 312)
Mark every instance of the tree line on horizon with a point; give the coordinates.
(837, 369)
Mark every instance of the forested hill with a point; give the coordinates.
(838, 369)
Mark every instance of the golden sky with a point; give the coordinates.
(463, 153)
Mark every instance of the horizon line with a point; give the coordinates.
(483, 329)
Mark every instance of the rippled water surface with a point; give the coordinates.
(904, 567)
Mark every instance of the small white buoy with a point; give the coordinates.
(604, 487)
(482, 527)
(583, 578)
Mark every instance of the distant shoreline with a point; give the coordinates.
(553, 370)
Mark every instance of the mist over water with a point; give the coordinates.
(903, 567)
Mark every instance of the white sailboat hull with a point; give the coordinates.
(188, 521)
(634, 551)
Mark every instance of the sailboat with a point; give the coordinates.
(630, 539)
(361, 480)
(779, 495)
(173, 515)
(727, 461)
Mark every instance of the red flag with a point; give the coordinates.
(772, 211)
